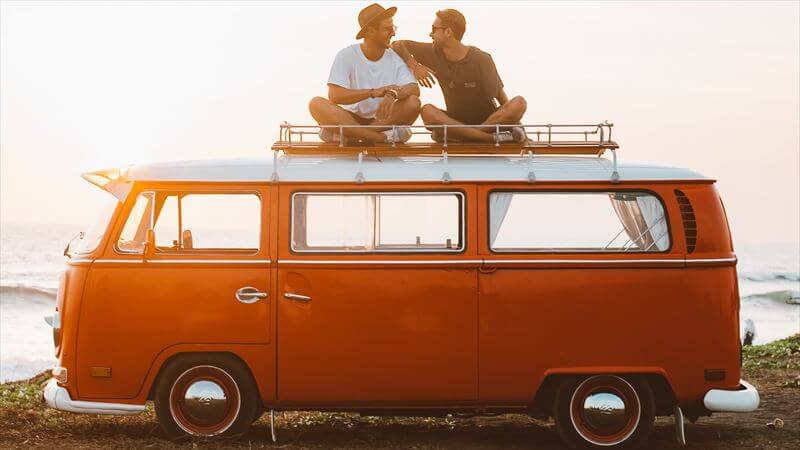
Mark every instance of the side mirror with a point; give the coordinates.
(149, 245)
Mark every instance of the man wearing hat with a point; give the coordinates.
(472, 89)
(369, 84)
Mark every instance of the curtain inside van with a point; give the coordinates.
(498, 209)
(654, 217)
(642, 216)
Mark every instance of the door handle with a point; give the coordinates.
(298, 297)
(249, 295)
(487, 270)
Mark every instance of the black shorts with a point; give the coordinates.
(469, 117)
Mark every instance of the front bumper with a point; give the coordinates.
(745, 399)
(57, 397)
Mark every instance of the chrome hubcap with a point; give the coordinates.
(205, 403)
(604, 412)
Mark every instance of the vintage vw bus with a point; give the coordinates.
(421, 279)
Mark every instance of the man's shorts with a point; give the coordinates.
(359, 119)
(469, 118)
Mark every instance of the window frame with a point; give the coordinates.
(197, 252)
(462, 223)
(494, 251)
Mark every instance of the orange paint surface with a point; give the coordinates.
(469, 330)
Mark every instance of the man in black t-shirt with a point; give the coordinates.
(468, 77)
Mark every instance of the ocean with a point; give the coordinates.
(31, 258)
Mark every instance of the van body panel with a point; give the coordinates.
(412, 330)
(378, 334)
(145, 306)
(561, 311)
(563, 323)
(713, 235)
(378, 327)
(69, 306)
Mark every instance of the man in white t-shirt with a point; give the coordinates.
(369, 84)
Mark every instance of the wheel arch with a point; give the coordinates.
(541, 407)
(179, 356)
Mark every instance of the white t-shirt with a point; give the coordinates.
(352, 70)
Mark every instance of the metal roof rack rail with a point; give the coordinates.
(543, 139)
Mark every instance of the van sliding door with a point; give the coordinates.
(377, 297)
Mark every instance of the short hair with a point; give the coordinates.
(454, 20)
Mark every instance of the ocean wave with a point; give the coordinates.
(22, 290)
(758, 277)
(786, 296)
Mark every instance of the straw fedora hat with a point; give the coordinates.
(371, 14)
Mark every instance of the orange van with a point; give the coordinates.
(421, 279)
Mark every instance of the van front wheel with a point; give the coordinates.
(604, 411)
(205, 396)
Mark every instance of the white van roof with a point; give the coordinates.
(344, 168)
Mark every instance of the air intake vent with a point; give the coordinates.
(689, 221)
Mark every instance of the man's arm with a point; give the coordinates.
(344, 96)
(422, 73)
(502, 98)
(407, 89)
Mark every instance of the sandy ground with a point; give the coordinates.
(33, 425)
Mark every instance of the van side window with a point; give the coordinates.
(378, 222)
(133, 235)
(577, 222)
(194, 223)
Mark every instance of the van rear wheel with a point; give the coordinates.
(604, 411)
(205, 395)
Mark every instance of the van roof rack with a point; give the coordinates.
(550, 139)
(543, 139)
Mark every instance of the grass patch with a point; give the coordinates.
(24, 394)
(782, 354)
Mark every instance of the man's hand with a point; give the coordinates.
(381, 91)
(423, 74)
(386, 107)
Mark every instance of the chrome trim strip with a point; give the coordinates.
(711, 260)
(507, 261)
(583, 261)
(186, 261)
(408, 262)
(376, 261)
(119, 261)
(78, 261)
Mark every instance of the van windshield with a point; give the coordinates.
(94, 234)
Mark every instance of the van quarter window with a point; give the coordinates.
(378, 222)
(191, 223)
(577, 222)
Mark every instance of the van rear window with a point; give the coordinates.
(378, 222)
(577, 222)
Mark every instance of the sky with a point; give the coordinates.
(714, 87)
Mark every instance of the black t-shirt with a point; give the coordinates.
(469, 85)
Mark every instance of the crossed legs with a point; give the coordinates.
(325, 112)
(509, 113)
